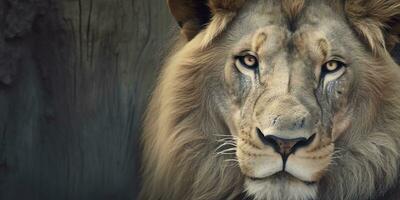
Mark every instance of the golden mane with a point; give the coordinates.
(181, 116)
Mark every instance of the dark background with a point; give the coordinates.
(75, 76)
(74, 80)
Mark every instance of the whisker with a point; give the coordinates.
(225, 144)
(229, 143)
(231, 136)
(231, 160)
(229, 150)
(226, 140)
(224, 147)
(228, 154)
(230, 164)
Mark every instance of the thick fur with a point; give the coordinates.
(183, 141)
(183, 121)
(369, 18)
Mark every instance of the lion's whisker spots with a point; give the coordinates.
(253, 154)
(318, 148)
(314, 157)
(248, 142)
(243, 160)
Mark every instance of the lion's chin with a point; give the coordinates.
(280, 186)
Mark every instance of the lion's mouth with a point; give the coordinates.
(307, 165)
(280, 176)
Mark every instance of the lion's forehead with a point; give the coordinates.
(272, 39)
(301, 26)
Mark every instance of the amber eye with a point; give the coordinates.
(248, 60)
(331, 67)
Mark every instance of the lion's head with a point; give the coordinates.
(276, 99)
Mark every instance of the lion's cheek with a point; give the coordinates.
(259, 166)
(310, 166)
(341, 122)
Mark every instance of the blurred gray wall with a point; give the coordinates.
(74, 80)
(75, 76)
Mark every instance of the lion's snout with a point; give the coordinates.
(284, 146)
(304, 158)
(286, 137)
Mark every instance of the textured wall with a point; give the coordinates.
(74, 80)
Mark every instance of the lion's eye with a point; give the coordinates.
(331, 71)
(248, 60)
(332, 66)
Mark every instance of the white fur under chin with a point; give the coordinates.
(280, 190)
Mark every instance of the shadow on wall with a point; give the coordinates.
(396, 53)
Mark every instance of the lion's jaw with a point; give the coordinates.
(271, 175)
(278, 188)
(297, 179)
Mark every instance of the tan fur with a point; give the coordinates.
(216, 26)
(259, 41)
(293, 7)
(182, 129)
(178, 143)
(371, 17)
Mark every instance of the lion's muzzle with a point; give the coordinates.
(284, 146)
(287, 137)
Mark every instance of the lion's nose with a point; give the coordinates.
(284, 146)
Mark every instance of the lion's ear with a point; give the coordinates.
(376, 21)
(394, 28)
(193, 15)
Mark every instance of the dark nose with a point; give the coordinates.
(284, 146)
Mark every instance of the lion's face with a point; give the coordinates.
(290, 85)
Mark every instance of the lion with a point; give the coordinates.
(276, 100)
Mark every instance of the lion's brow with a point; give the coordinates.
(258, 41)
